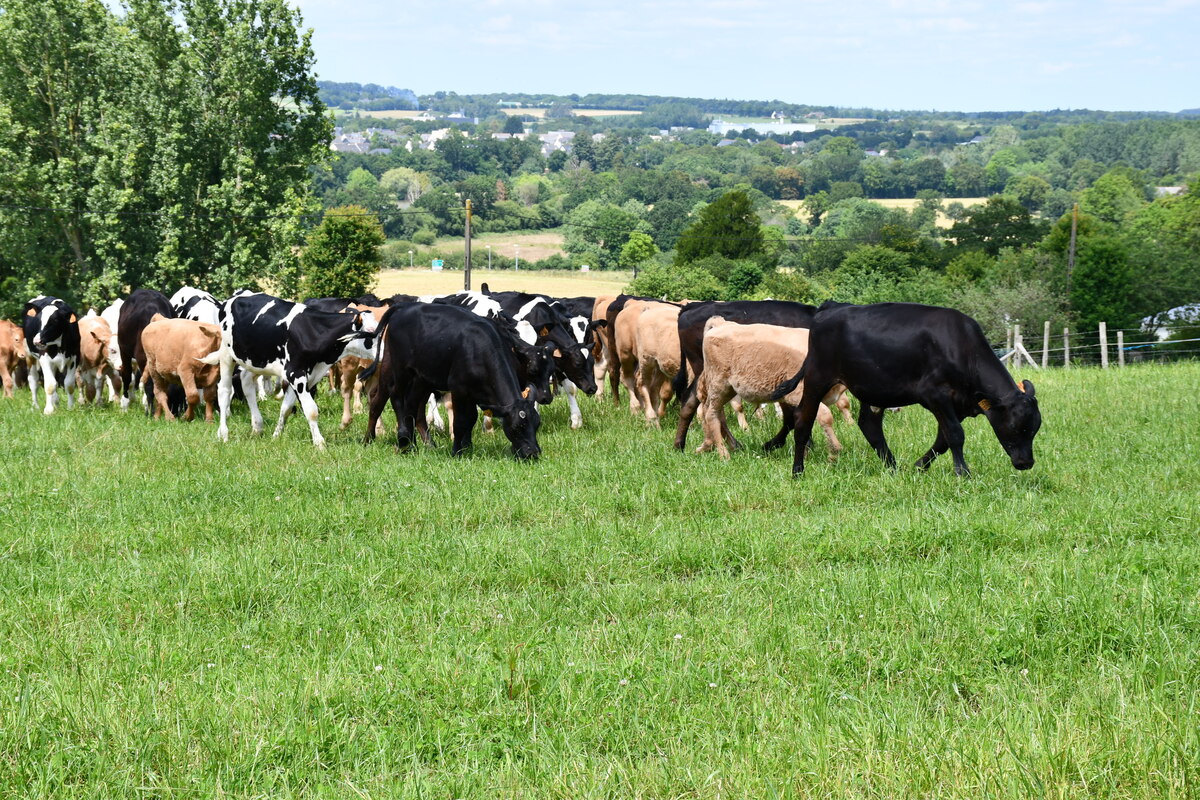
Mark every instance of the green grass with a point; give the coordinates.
(185, 619)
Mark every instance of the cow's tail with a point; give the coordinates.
(680, 382)
(789, 386)
(380, 332)
(212, 359)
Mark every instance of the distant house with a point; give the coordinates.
(556, 140)
(722, 128)
(725, 142)
(460, 117)
(350, 143)
(1167, 191)
(972, 140)
(876, 153)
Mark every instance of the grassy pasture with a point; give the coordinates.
(186, 619)
(540, 113)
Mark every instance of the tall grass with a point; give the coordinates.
(259, 619)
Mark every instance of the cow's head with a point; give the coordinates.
(539, 368)
(520, 426)
(55, 318)
(18, 337)
(1016, 420)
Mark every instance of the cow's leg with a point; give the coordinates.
(250, 389)
(647, 370)
(346, 386)
(50, 382)
(415, 401)
(224, 395)
(949, 436)
(376, 400)
(191, 393)
(210, 398)
(825, 418)
(870, 422)
(432, 409)
(6, 379)
(630, 382)
(788, 412)
(309, 405)
(465, 415)
(32, 372)
(569, 389)
(69, 385)
(162, 405)
(739, 408)
(843, 404)
(688, 404)
(488, 425)
(291, 394)
(805, 416)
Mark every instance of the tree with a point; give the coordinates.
(598, 231)
(513, 125)
(639, 249)
(727, 227)
(1102, 283)
(342, 257)
(1001, 222)
(1112, 198)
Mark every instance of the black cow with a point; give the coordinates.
(431, 348)
(265, 335)
(901, 354)
(52, 338)
(136, 312)
(692, 319)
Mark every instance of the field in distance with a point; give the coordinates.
(554, 283)
(906, 203)
(579, 112)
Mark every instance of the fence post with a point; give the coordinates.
(1120, 348)
(1016, 346)
(1104, 345)
(1008, 339)
(1066, 347)
(1046, 344)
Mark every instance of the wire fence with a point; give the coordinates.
(1112, 347)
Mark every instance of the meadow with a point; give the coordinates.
(555, 283)
(258, 619)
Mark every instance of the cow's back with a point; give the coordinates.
(753, 359)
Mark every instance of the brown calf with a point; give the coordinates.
(657, 337)
(12, 353)
(96, 346)
(173, 349)
(748, 360)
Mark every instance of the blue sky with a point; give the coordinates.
(963, 55)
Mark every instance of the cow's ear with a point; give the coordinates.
(96, 337)
(72, 319)
(545, 331)
(557, 353)
(31, 312)
(1026, 386)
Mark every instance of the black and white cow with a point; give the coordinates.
(196, 304)
(555, 322)
(135, 315)
(52, 338)
(901, 354)
(266, 335)
(430, 348)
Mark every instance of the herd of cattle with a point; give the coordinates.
(508, 352)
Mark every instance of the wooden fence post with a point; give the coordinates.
(1046, 344)
(1066, 347)
(1104, 345)
(1008, 339)
(1120, 348)
(1016, 346)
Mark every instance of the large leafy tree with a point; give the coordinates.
(170, 144)
(342, 258)
(727, 227)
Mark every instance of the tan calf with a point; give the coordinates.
(174, 348)
(658, 353)
(750, 361)
(97, 348)
(624, 343)
(343, 375)
(12, 353)
(602, 348)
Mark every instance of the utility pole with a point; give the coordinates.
(1071, 250)
(467, 251)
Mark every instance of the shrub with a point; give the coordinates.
(676, 283)
(342, 258)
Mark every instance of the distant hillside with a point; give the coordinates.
(369, 96)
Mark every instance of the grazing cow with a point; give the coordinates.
(609, 334)
(196, 304)
(431, 348)
(901, 354)
(691, 343)
(98, 356)
(344, 375)
(112, 315)
(749, 361)
(135, 315)
(12, 353)
(657, 350)
(52, 341)
(625, 344)
(601, 350)
(265, 335)
(175, 352)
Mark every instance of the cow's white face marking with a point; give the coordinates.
(579, 326)
(526, 332)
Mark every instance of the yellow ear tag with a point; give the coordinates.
(72, 319)
(525, 393)
(31, 312)
(984, 404)
(1021, 387)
